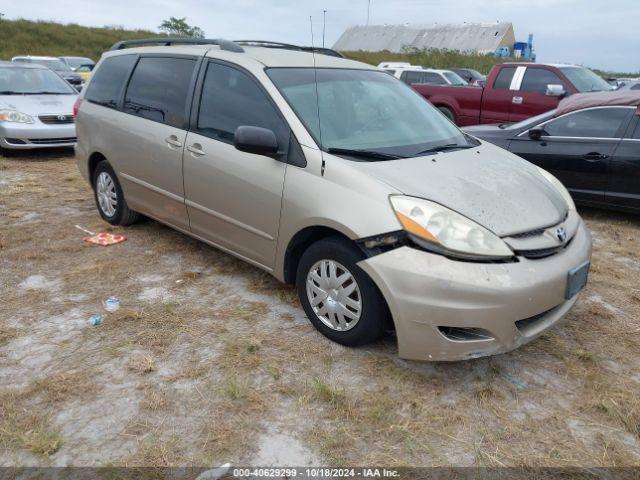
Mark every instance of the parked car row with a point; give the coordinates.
(513, 92)
(75, 70)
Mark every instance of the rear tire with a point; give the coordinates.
(347, 306)
(109, 197)
(448, 113)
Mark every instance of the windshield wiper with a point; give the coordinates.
(364, 153)
(442, 148)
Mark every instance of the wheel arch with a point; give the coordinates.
(94, 159)
(300, 241)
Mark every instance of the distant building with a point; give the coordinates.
(472, 38)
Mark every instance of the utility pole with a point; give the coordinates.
(368, 10)
(324, 25)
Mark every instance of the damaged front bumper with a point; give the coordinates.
(447, 310)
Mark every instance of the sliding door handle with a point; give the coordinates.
(172, 140)
(196, 149)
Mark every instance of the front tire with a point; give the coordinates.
(110, 198)
(339, 298)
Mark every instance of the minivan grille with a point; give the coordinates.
(56, 119)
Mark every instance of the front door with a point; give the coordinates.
(234, 198)
(531, 98)
(624, 183)
(577, 148)
(497, 98)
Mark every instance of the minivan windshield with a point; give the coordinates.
(32, 81)
(366, 111)
(585, 80)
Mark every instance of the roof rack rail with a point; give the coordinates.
(288, 46)
(166, 41)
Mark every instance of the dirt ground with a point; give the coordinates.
(209, 360)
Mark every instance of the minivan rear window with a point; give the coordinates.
(159, 88)
(108, 80)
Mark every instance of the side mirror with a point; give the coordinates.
(256, 140)
(554, 90)
(536, 133)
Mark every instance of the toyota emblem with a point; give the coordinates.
(62, 118)
(561, 234)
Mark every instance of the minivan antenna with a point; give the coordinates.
(315, 74)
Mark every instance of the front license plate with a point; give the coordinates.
(576, 280)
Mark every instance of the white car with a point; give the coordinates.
(398, 68)
(411, 74)
(432, 77)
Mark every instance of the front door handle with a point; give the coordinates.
(196, 149)
(517, 100)
(172, 140)
(594, 156)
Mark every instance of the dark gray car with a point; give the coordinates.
(593, 151)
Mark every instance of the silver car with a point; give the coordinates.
(337, 178)
(36, 108)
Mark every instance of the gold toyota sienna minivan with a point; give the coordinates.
(335, 177)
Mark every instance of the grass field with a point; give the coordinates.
(430, 59)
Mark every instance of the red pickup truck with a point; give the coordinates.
(513, 92)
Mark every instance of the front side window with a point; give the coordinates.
(31, 81)
(591, 123)
(584, 80)
(503, 80)
(159, 88)
(108, 80)
(537, 79)
(230, 99)
(364, 110)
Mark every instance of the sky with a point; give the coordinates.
(597, 33)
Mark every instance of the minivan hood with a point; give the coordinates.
(487, 184)
(39, 104)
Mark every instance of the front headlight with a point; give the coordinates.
(15, 117)
(442, 230)
(559, 187)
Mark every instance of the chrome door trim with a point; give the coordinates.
(153, 188)
(521, 134)
(230, 220)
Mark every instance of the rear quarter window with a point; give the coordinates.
(109, 79)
